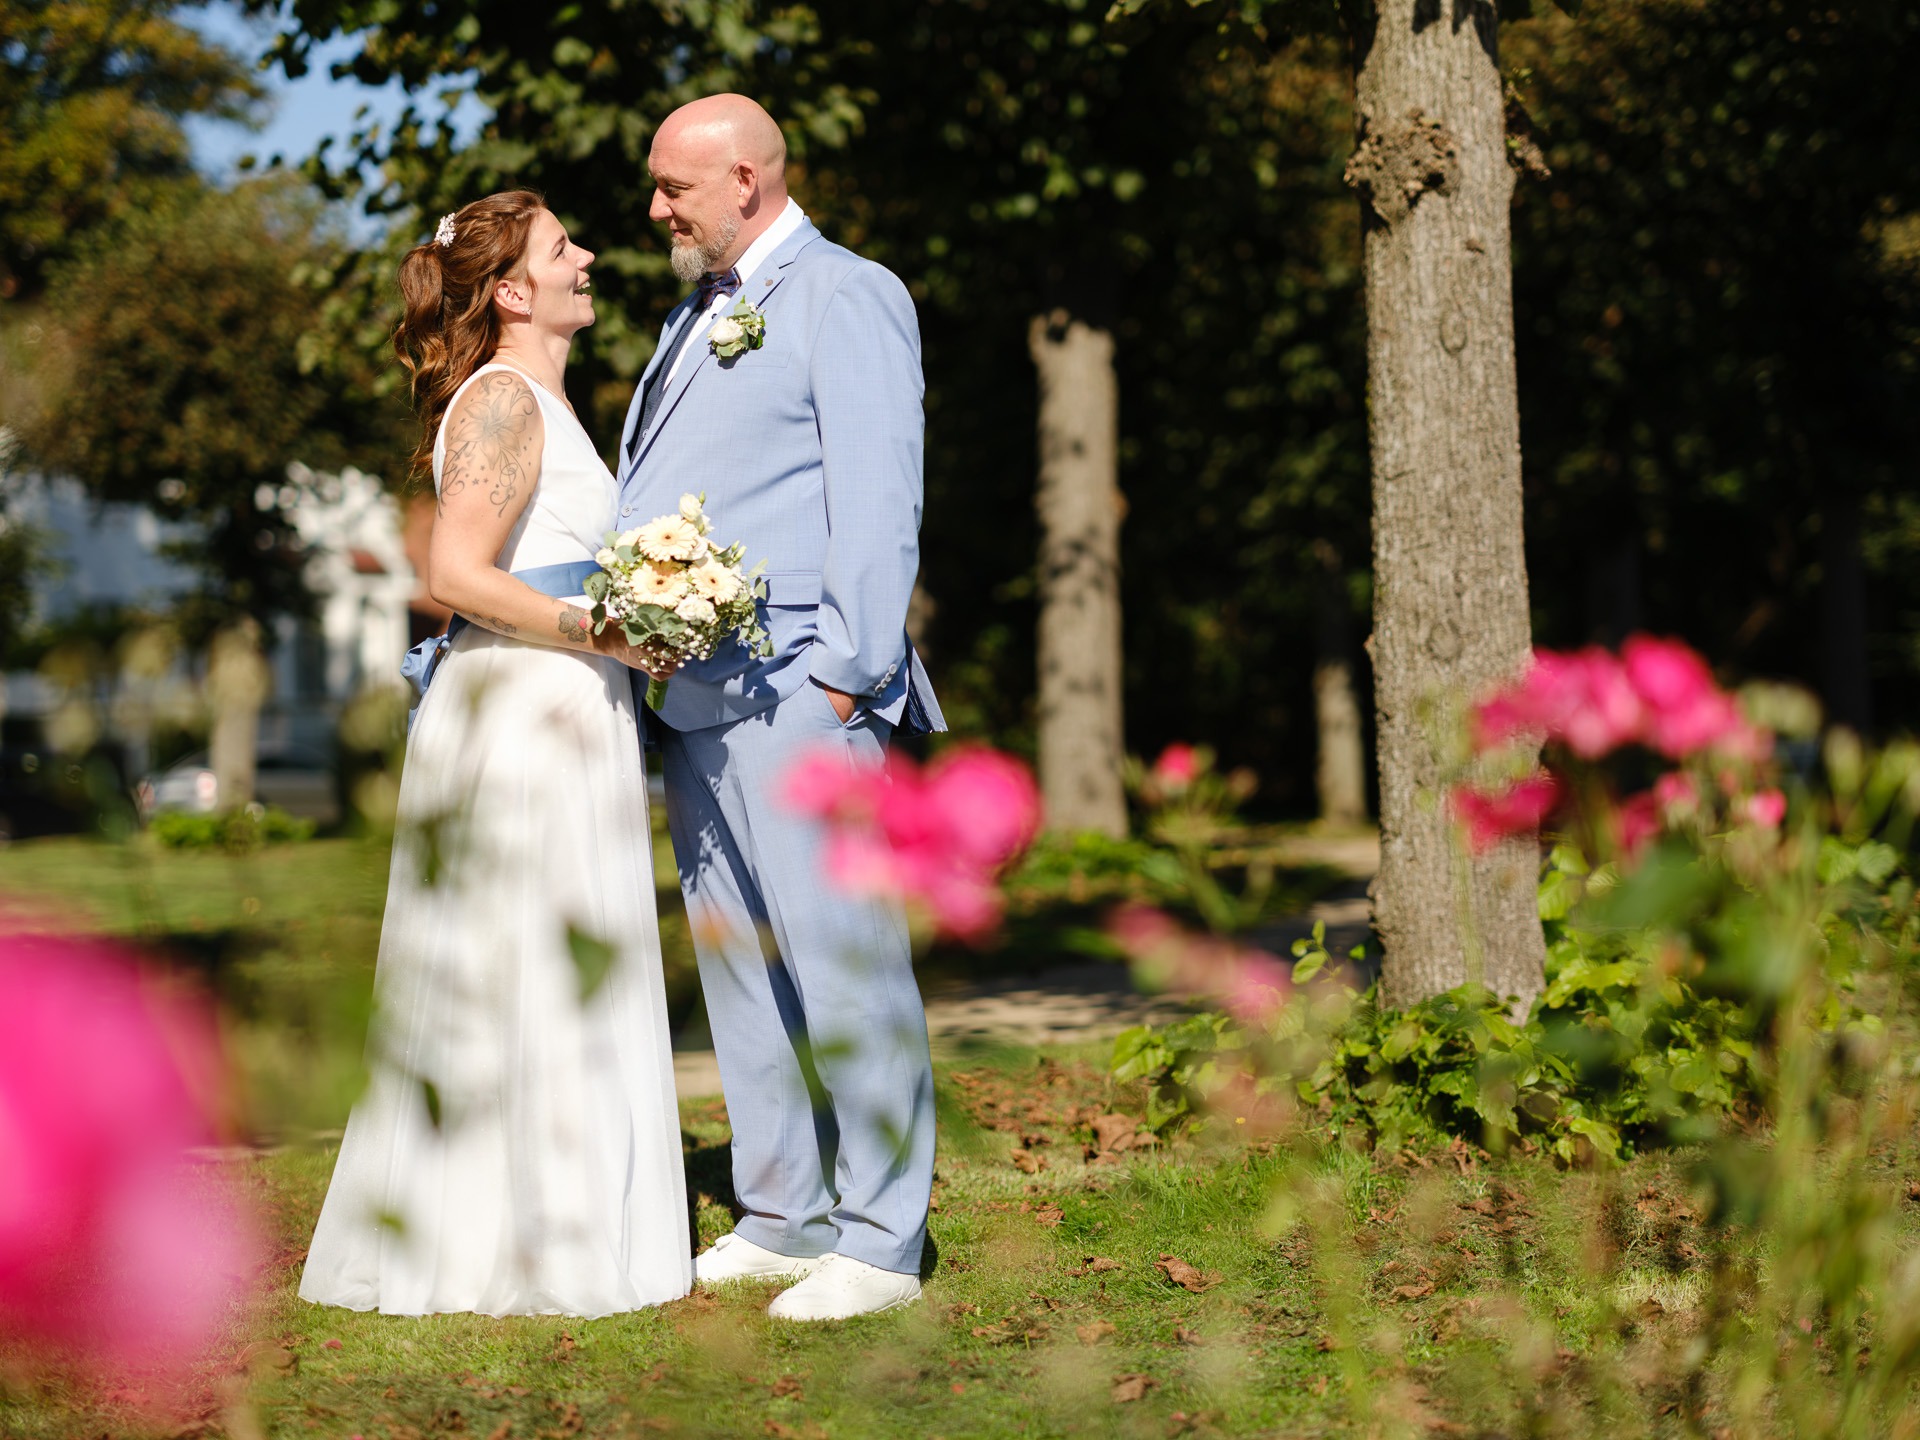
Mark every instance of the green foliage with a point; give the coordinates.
(92, 93)
(1658, 1021)
(238, 832)
(170, 372)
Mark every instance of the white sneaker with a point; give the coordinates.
(843, 1287)
(734, 1257)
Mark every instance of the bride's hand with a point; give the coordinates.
(653, 662)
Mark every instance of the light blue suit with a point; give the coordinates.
(809, 453)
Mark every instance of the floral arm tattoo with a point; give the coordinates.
(490, 443)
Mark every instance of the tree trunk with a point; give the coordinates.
(1450, 586)
(238, 683)
(1079, 504)
(1340, 768)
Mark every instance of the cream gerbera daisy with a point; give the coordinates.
(714, 581)
(671, 537)
(656, 585)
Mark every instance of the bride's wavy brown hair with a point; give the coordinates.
(448, 328)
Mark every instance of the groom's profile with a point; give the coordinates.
(809, 451)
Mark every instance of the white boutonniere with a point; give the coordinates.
(741, 328)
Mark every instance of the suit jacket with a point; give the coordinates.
(809, 451)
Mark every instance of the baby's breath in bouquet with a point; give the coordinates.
(669, 587)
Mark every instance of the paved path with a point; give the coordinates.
(1095, 1001)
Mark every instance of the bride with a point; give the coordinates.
(517, 1150)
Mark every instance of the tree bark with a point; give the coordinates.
(1450, 586)
(1079, 504)
(238, 683)
(1340, 766)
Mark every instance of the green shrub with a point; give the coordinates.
(237, 831)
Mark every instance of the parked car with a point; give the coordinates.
(298, 781)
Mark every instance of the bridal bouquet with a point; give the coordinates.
(668, 586)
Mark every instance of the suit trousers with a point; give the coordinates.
(817, 1021)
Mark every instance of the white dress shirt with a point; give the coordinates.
(756, 254)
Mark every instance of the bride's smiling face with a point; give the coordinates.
(554, 293)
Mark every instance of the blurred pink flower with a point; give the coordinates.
(1675, 792)
(1582, 699)
(935, 837)
(1766, 808)
(1252, 984)
(1177, 768)
(1686, 710)
(1492, 816)
(1636, 820)
(111, 1239)
(1657, 693)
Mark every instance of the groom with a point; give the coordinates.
(809, 451)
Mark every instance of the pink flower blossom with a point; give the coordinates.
(1686, 711)
(1251, 984)
(1765, 808)
(1582, 699)
(1177, 768)
(1636, 821)
(1675, 791)
(934, 837)
(111, 1239)
(1492, 816)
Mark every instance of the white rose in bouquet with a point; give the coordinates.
(695, 610)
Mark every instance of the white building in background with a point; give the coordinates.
(354, 535)
(355, 538)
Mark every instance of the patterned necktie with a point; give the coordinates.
(710, 285)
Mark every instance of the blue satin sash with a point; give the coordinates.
(418, 665)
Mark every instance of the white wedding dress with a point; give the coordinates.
(517, 1150)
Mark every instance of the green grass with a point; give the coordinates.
(1383, 1295)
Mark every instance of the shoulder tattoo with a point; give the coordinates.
(490, 442)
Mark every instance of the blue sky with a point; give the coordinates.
(302, 111)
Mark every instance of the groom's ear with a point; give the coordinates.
(746, 180)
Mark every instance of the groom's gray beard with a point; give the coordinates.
(690, 262)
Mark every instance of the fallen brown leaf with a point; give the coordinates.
(1050, 1215)
(1185, 1336)
(787, 1387)
(501, 1431)
(1096, 1264)
(1128, 1388)
(1413, 1292)
(1027, 1163)
(1096, 1332)
(1187, 1277)
(1114, 1132)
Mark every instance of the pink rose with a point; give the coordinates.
(1766, 808)
(1675, 792)
(1581, 699)
(1686, 710)
(1177, 768)
(1636, 821)
(112, 1238)
(1252, 984)
(1490, 817)
(934, 838)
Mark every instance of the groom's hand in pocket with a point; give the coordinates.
(841, 701)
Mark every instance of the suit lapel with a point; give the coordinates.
(691, 366)
(679, 316)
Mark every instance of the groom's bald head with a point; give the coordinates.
(720, 178)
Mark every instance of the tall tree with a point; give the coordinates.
(91, 97)
(1450, 614)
